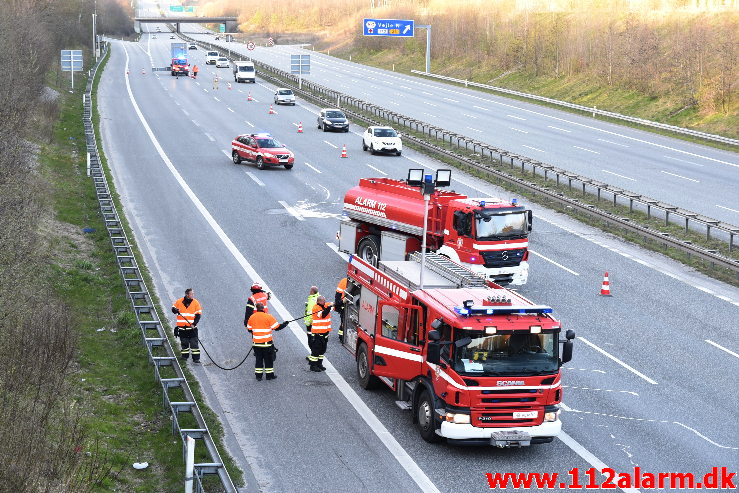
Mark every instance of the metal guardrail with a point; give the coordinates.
(587, 109)
(322, 95)
(154, 338)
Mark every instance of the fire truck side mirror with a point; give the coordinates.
(566, 351)
(531, 219)
(433, 352)
(570, 334)
(434, 334)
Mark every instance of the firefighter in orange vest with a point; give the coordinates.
(258, 295)
(339, 305)
(261, 324)
(188, 312)
(319, 330)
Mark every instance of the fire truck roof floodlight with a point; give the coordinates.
(443, 177)
(501, 310)
(415, 177)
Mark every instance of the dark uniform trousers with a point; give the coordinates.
(265, 355)
(317, 344)
(189, 343)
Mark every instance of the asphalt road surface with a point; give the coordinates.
(653, 381)
(696, 177)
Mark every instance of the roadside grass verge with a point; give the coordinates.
(114, 383)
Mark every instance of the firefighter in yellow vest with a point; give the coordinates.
(258, 295)
(188, 312)
(319, 330)
(261, 325)
(339, 305)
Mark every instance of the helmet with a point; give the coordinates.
(256, 287)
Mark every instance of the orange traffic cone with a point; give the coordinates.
(271, 111)
(300, 127)
(249, 98)
(343, 151)
(143, 72)
(605, 289)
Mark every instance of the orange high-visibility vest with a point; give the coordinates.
(341, 288)
(261, 326)
(187, 314)
(258, 298)
(321, 324)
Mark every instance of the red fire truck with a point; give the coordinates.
(476, 363)
(383, 219)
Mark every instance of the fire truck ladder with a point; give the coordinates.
(443, 266)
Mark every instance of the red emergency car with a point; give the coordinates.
(262, 149)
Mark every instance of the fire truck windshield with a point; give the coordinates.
(519, 353)
(491, 226)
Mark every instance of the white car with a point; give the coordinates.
(211, 57)
(222, 62)
(284, 95)
(382, 139)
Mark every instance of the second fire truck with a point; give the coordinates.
(474, 362)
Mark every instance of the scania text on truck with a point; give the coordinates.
(383, 220)
(179, 64)
(475, 363)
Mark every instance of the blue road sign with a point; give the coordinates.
(71, 60)
(396, 28)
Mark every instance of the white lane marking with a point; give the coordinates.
(474, 129)
(397, 450)
(532, 148)
(313, 168)
(198, 83)
(291, 210)
(518, 130)
(406, 88)
(177, 103)
(727, 208)
(255, 179)
(204, 89)
(722, 348)
(249, 123)
(614, 143)
(429, 114)
(210, 137)
(469, 116)
(450, 100)
(583, 369)
(227, 154)
(586, 149)
(378, 170)
(481, 108)
(426, 93)
(560, 129)
(616, 174)
(555, 263)
(329, 143)
(185, 112)
(587, 455)
(214, 97)
(229, 109)
(431, 104)
(679, 176)
(600, 390)
(393, 102)
(615, 359)
(196, 123)
(682, 160)
(335, 248)
(516, 117)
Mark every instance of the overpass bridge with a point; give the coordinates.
(231, 22)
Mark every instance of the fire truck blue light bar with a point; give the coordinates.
(501, 310)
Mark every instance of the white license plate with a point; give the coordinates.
(510, 436)
(525, 414)
(283, 160)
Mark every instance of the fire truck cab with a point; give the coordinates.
(474, 362)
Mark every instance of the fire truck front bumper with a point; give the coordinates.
(516, 276)
(466, 434)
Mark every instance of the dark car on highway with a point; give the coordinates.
(262, 149)
(332, 119)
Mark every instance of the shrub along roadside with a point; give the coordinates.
(113, 382)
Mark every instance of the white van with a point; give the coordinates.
(244, 72)
(211, 57)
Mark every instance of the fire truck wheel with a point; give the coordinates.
(236, 157)
(366, 379)
(426, 420)
(260, 162)
(369, 249)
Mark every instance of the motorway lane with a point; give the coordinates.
(671, 170)
(269, 258)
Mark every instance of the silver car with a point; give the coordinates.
(284, 95)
